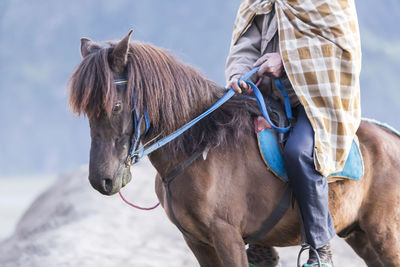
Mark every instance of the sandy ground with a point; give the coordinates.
(70, 224)
(16, 195)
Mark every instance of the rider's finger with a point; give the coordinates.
(265, 69)
(236, 87)
(244, 85)
(261, 60)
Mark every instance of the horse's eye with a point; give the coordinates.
(117, 107)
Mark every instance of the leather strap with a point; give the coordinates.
(166, 181)
(276, 215)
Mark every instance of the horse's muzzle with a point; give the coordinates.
(110, 186)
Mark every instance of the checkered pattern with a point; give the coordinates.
(321, 51)
(247, 11)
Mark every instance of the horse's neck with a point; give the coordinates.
(162, 159)
(185, 100)
(159, 160)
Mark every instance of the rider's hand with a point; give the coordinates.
(242, 88)
(270, 65)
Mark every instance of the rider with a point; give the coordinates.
(315, 46)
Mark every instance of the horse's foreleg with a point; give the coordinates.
(263, 256)
(385, 241)
(358, 240)
(205, 255)
(229, 245)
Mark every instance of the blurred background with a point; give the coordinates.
(39, 49)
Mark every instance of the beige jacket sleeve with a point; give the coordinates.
(261, 37)
(245, 52)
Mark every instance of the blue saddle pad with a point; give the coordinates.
(272, 156)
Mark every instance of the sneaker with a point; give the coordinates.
(325, 256)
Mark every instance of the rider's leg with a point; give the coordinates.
(309, 186)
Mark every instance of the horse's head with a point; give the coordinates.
(108, 108)
(167, 91)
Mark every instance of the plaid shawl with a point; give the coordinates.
(321, 52)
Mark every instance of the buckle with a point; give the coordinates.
(132, 159)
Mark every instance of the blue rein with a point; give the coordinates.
(261, 103)
(136, 154)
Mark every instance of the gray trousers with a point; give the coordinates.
(309, 186)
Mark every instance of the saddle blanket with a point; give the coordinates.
(271, 154)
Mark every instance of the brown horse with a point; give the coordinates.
(226, 196)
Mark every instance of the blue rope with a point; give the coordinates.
(142, 152)
(135, 115)
(145, 151)
(286, 98)
(261, 103)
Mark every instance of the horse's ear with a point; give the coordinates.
(119, 56)
(86, 46)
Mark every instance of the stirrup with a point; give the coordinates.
(305, 247)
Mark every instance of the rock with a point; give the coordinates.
(71, 224)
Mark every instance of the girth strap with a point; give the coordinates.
(276, 215)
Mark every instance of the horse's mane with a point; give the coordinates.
(170, 91)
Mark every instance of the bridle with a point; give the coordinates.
(136, 153)
(133, 156)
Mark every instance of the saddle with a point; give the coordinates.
(278, 117)
(271, 144)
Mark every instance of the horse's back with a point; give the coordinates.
(379, 212)
(380, 145)
(351, 201)
(380, 148)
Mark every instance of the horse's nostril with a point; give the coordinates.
(107, 185)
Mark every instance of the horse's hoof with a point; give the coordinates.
(261, 256)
